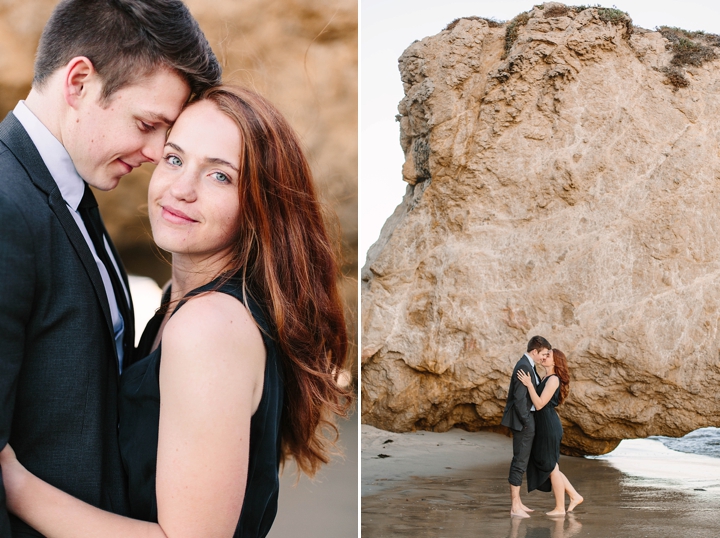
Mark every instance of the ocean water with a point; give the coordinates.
(705, 441)
(690, 463)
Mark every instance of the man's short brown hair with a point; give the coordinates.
(126, 40)
(538, 342)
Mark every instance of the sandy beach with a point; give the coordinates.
(454, 484)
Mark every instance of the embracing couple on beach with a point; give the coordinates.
(536, 428)
(238, 370)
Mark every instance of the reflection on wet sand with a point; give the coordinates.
(561, 527)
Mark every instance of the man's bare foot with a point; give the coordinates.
(556, 513)
(574, 502)
(519, 513)
(526, 509)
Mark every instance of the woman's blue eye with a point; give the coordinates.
(222, 177)
(174, 160)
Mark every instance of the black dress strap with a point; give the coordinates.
(153, 326)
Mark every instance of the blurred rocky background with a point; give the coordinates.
(301, 54)
(563, 176)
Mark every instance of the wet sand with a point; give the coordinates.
(454, 484)
(326, 506)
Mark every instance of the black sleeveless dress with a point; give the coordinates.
(139, 410)
(545, 451)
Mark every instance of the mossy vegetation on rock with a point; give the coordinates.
(492, 23)
(512, 30)
(689, 49)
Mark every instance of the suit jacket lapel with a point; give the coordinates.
(17, 140)
(59, 207)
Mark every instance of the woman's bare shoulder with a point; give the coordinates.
(214, 325)
(552, 380)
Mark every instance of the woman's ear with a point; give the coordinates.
(76, 75)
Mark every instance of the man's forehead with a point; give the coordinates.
(158, 96)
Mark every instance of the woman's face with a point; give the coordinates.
(548, 360)
(193, 196)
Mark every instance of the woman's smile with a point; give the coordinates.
(176, 216)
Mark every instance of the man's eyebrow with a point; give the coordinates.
(158, 118)
(211, 160)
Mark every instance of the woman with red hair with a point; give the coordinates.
(251, 334)
(543, 471)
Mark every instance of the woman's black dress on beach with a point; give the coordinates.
(140, 416)
(545, 451)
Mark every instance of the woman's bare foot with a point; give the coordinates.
(556, 513)
(526, 509)
(574, 502)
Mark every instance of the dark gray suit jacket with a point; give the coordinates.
(58, 364)
(517, 407)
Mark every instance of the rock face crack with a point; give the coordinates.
(560, 185)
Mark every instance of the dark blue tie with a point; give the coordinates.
(90, 214)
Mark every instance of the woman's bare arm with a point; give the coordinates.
(213, 361)
(539, 401)
(211, 377)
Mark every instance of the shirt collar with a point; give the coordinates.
(54, 155)
(535, 373)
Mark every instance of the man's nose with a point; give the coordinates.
(153, 147)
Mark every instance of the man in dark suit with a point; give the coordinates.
(518, 416)
(110, 78)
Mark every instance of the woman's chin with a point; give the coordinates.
(171, 239)
(169, 244)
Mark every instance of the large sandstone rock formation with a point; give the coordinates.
(564, 180)
(302, 54)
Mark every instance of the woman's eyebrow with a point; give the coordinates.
(215, 160)
(174, 146)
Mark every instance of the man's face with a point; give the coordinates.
(540, 355)
(106, 140)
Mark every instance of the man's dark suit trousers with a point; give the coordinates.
(522, 444)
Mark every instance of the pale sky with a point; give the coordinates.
(388, 27)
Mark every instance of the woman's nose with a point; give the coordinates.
(184, 187)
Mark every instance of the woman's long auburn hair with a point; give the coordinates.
(562, 371)
(286, 255)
